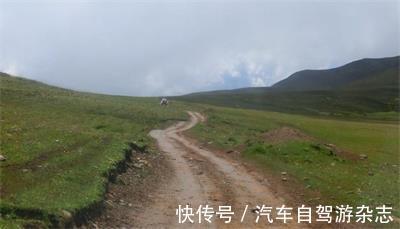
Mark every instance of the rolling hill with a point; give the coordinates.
(61, 147)
(364, 72)
(358, 88)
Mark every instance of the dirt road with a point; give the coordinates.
(200, 177)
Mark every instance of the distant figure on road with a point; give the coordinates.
(164, 102)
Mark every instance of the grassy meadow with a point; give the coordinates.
(340, 177)
(60, 145)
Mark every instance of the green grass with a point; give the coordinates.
(339, 179)
(15, 223)
(60, 144)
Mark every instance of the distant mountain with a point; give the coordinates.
(364, 72)
(363, 86)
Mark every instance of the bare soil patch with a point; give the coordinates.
(285, 134)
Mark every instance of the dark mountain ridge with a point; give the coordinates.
(339, 77)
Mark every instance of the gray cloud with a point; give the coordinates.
(175, 47)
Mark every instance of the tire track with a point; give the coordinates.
(200, 178)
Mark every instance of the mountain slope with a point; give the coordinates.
(360, 87)
(352, 73)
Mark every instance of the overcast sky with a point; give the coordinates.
(174, 47)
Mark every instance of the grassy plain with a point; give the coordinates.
(339, 175)
(60, 145)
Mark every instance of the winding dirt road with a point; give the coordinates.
(201, 177)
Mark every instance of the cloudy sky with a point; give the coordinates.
(174, 47)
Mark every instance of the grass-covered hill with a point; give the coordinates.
(364, 73)
(365, 87)
(60, 146)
